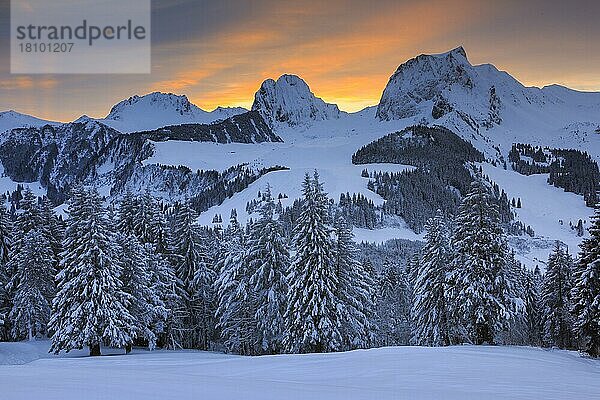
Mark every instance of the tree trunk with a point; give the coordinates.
(95, 350)
(128, 348)
(29, 330)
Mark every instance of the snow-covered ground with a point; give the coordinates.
(461, 372)
(547, 209)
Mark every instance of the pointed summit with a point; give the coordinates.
(459, 51)
(448, 86)
(290, 101)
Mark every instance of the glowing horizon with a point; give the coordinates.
(218, 54)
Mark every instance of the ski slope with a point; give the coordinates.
(453, 373)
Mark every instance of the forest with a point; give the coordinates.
(143, 273)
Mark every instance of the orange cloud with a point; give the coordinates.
(21, 82)
(349, 66)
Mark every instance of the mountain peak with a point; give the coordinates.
(157, 109)
(447, 85)
(288, 100)
(154, 102)
(12, 119)
(456, 52)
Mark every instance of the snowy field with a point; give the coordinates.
(462, 372)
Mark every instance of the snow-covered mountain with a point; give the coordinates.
(481, 104)
(486, 105)
(155, 110)
(289, 101)
(12, 119)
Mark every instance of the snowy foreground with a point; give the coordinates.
(464, 372)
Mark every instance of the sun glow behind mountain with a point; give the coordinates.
(219, 53)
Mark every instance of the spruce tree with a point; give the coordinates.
(204, 296)
(35, 286)
(586, 291)
(144, 217)
(195, 279)
(127, 213)
(430, 308)
(5, 246)
(312, 314)
(159, 230)
(135, 279)
(29, 218)
(521, 302)
(479, 298)
(393, 306)
(163, 284)
(90, 307)
(51, 228)
(268, 262)
(236, 298)
(531, 298)
(355, 291)
(556, 299)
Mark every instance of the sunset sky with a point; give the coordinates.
(218, 52)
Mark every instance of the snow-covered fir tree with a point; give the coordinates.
(393, 306)
(160, 235)
(145, 221)
(5, 245)
(313, 323)
(268, 262)
(586, 291)
(163, 284)
(430, 307)
(480, 301)
(531, 298)
(236, 298)
(90, 308)
(127, 212)
(135, 279)
(28, 218)
(195, 279)
(355, 291)
(34, 286)
(32, 217)
(144, 216)
(520, 302)
(556, 299)
(52, 228)
(204, 296)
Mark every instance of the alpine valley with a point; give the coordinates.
(440, 120)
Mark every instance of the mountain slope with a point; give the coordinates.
(91, 152)
(484, 106)
(248, 127)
